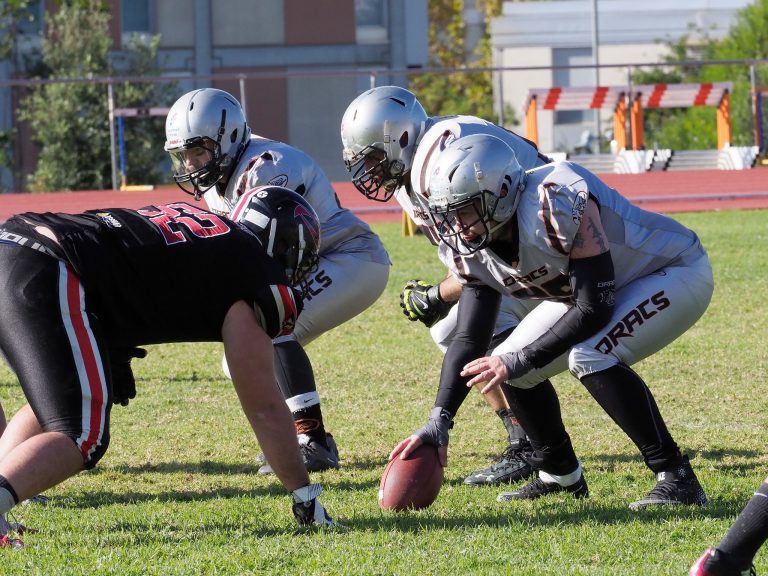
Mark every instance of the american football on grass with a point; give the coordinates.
(413, 483)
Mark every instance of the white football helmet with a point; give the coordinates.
(383, 126)
(205, 135)
(480, 177)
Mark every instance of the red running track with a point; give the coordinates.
(667, 192)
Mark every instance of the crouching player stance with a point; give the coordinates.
(616, 284)
(79, 293)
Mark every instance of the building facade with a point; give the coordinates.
(308, 60)
(556, 39)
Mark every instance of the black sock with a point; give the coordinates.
(538, 411)
(748, 532)
(514, 430)
(624, 396)
(309, 421)
(295, 377)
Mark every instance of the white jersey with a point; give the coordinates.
(548, 216)
(438, 133)
(269, 162)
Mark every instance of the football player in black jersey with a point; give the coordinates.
(79, 293)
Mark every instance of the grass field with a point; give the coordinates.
(178, 491)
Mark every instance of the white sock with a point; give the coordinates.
(7, 501)
(564, 480)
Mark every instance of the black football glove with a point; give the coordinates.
(123, 383)
(421, 301)
(435, 431)
(307, 508)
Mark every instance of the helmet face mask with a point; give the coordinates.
(195, 164)
(476, 183)
(206, 133)
(288, 228)
(379, 132)
(375, 176)
(453, 220)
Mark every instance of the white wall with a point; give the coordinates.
(629, 32)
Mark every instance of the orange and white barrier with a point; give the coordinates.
(619, 99)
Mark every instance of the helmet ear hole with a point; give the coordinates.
(403, 140)
(233, 137)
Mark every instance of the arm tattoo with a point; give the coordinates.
(597, 235)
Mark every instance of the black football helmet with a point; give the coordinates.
(288, 228)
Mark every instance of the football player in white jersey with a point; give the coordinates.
(616, 284)
(215, 156)
(390, 145)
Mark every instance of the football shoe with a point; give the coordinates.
(538, 488)
(316, 457)
(511, 466)
(674, 487)
(6, 539)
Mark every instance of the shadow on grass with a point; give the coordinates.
(213, 467)
(561, 512)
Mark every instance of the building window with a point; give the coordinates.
(573, 77)
(372, 21)
(135, 16)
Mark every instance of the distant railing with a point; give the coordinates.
(376, 74)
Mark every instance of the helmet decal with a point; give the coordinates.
(287, 227)
(309, 220)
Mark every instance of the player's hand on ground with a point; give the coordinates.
(308, 510)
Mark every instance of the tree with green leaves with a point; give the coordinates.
(12, 12)
(460, 92)
(694, 128)
(69, 120)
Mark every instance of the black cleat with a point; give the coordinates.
(317, 458)
(673, 488)
(538, 488)
(510, 467)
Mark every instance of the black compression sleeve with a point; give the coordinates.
(593, 288)
(476, 318)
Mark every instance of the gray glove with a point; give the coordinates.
(517, 364)
(435, 431)
(307, 508)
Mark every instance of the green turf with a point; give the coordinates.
(178, 492)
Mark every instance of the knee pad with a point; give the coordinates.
(584, 360)
(443, 332)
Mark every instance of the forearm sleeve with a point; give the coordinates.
(593, 289)
(476, 318)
